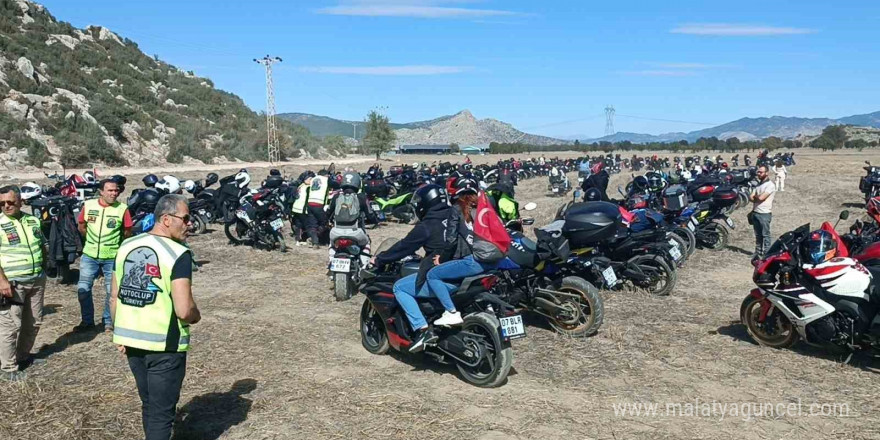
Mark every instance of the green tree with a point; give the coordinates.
(835, 134)
(380, 136)
(454, 148)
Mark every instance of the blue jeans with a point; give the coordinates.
(405, 293)
(455, 270)
(88, 271)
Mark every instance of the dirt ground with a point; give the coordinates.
(275, 357)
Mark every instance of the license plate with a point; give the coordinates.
(556, 190)
(580, 180)
(729, 222)
(242, 215)
(375, 206)
(512, 327)
(342, 265)
(674, 251)
(610, 276)
(692, 224)
(277, 224)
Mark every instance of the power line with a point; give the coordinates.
(669, 120)
(272, 134)
(553, 124)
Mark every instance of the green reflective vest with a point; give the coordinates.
(299, 205)
(103, 228)
(508, 209)
(319, 190)
(21, 247)
(145, 315)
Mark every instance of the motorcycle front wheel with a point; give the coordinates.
(661, 277)
(485, 340)
(582, 314)
(198, 224)
(776, 331)
(714, 236)
(373, 335)
(236, 231)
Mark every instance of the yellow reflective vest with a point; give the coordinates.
(145, 317)
(21, 247)
(299, 205)
(319, 190)
(103, 228)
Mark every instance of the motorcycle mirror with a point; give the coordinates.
(844, 214)
(531, 206)
(620, 190)
(528, 221)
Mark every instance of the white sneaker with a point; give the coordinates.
(449, 319)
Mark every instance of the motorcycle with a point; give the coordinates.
(345, 267)
(479, 348)
(833, 304)
(259, 220)
(869, 184)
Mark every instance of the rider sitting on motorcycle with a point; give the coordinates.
(598, 179)
(347, 211)
(501, 197)
(432, 209)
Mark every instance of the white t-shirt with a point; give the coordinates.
(780, 171)
(768, 187)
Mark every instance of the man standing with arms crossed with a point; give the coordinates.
(22, 283)
(762, 199)
(104, 222)
(152, 308)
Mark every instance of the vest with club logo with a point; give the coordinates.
(103, 228)
(319, 190)
(145, 317)
(21, 247)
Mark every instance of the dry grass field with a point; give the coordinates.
(275, 357)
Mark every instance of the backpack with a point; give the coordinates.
(348, 209)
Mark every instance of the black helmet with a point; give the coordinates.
(274, 172)
(150, 180)
(640, 182)
(592, 194)
(427, 197)
(463, 186)
(819, 247)
(211, 179)
(351, 180)
(119, 180)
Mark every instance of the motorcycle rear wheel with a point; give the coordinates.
(493, 370)
(198, 225)
(689, 237)
(717, 235)
(586, 312)
(662, 276)
(236, 231)
(682, 247)
(750, 311)
(343, 286)
(374, 336)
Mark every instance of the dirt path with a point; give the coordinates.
(275, 357)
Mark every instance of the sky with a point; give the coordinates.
(547, 67)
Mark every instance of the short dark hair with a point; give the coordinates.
(765, 167)
(104, 182)
(11, 189)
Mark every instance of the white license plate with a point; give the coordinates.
(512, 327)
(692, 224)
(674, 251)
(729, 222)
(580, 180)
(242, 215)
(556, 190)
(277, 224)
(375, 207)
(342, 265)
(610, 276)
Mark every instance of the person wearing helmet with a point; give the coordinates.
(432, 208)
(598, 179)
(316, 222)
(347, 212)
(105, 223)
(502, 199)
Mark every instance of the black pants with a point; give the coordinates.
(316, 223)
(159, 377)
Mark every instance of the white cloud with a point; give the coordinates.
(410, 8)
(386, 70)
(737, 30)
(660, 73)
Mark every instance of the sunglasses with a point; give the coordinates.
(7, 203)
(186, 218)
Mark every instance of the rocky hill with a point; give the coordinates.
(461, 128)
(81, 97)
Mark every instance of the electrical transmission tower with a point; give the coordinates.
(609, 120)
(272, 134)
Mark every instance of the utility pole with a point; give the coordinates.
(272, 134)
(609, 120)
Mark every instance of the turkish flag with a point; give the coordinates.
(488, 225)
(152, 270)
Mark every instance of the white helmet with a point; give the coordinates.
(170, 184)
(243, 179)
(415, 165)
(89, 177)
(30, 190)
(189, 186)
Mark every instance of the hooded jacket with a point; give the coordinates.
(427, 234)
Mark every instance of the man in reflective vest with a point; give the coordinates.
(299, 212)
(152, 308)
(104, 222)
(22, 284)
(317, 220)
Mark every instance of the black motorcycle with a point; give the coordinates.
(259, 221)
(869, 184)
